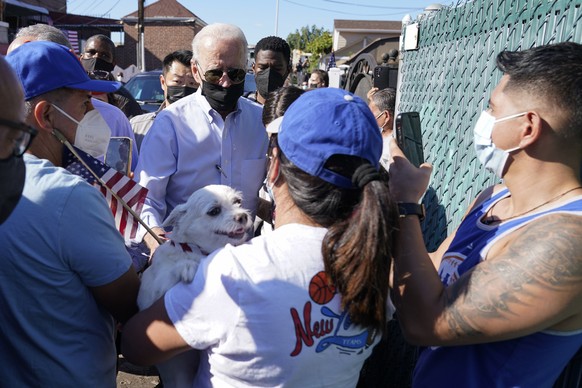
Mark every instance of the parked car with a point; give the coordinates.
(146, 89)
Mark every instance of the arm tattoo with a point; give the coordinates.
(543, 257)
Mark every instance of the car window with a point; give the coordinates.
(145, 88)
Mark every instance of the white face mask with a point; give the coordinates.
(492, 158)
(268, 187)
(93, 133)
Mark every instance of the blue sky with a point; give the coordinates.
(257, 18)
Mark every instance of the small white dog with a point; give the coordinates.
(211, 218)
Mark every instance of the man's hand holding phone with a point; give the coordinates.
(407, 182)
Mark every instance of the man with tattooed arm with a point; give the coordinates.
(504, 306)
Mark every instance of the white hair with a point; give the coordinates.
(217, 32)
(44, 32)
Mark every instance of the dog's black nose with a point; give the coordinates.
(241, 218)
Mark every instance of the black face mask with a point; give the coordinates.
(222, 99)
(12, 172)
(96, 64)
(268, 80)
(176, 92)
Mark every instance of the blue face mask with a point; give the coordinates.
(492, 158)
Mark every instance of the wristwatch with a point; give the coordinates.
(409, 209)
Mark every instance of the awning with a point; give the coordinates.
(22, 4)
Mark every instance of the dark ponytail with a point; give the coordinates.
(357, 248)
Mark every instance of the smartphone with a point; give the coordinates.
(119, 155)
(385, 77)
(409, 136)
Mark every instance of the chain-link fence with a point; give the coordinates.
(448, 80)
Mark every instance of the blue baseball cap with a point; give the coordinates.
(46, 66)
(325, 122)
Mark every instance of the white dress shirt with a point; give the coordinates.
(189, 146)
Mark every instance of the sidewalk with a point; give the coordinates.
(136, 376)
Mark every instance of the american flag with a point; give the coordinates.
(73, 39)
(126, 188)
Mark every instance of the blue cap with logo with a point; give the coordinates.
(46, 66)
(325, 122)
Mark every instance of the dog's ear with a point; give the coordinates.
(176, 214)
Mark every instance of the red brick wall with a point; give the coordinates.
(160, 40)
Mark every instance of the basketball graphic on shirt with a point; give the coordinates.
(319, 289)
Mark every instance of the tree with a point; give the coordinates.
(321, 44)
(300, 39)
(314, 40)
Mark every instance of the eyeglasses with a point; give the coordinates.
(379, 114)
(214, 75)
(22, 142)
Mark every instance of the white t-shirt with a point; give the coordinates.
(262, 318)
(386, 157)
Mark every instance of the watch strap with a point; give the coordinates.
(409, 209)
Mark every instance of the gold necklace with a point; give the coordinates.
(491, 219)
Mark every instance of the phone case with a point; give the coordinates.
(385, 77)
(409, 136)
(119, 153)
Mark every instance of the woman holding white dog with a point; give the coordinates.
(304, 305)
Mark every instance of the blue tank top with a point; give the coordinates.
(535, 360)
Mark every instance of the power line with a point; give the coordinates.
(77, 9)
(369, 6)
(109, 10)
(352, 13)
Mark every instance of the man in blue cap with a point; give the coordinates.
(66, 275)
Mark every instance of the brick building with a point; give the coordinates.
(168, 26)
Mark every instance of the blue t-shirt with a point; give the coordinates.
(535, 360)
(59, 241)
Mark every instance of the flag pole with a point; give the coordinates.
(67, 144)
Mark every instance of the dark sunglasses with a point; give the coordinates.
(214, 75)
(23, 141)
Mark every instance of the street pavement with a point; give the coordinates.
(133, 376)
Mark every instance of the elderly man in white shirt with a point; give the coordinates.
(210, 137)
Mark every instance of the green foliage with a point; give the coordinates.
(320, 44)
(304, 38)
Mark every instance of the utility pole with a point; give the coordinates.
(277, 20)
(140, 36)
